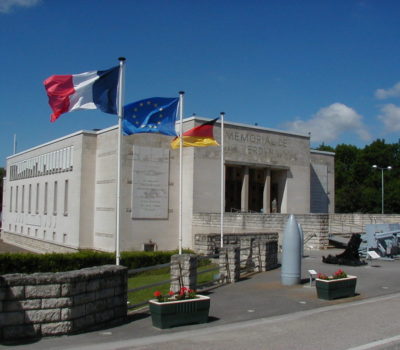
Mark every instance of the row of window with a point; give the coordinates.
(48, 163)
(19, 200)
(34, 232)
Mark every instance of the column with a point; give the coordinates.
(245, 190)
(267, 192)
(183, 272)
(229, 264)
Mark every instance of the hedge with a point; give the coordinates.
(57, 262)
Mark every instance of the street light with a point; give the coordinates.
(382, 169)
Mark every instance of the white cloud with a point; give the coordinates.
(390, 117)
(7, 6)
(391, 92)
(330, 122)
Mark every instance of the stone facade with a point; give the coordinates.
(61, 196)
(43, 304)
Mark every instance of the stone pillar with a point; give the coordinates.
(267, 192)
(229, 264)
(245, 191)
(183, 272)
(265, 254)
(247, 252)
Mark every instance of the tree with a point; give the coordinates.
(358, 186)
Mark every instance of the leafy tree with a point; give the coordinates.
(359, 186)
(325, 148)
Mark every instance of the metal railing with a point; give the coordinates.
(133, 272)
(344, 225)
(216, 281)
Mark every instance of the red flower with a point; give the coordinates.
(171, 293)
(157, 293)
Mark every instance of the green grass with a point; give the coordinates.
(154, 276)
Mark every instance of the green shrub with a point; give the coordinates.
(57, 262)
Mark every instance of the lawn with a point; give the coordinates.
(160, 275)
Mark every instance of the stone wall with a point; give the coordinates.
(208, 244)
(315, 226)
(44, 304)
(355, 223)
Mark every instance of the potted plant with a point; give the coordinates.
(181, 308)
(339, 285)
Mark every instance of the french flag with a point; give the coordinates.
(90, 90)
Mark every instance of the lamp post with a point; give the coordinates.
(382, 169)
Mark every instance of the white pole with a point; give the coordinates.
(383, 191)
(222, 179)
(181, 93)
(120, 117)
(15, 144)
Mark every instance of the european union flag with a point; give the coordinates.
(152, 115)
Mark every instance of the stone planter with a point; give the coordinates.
(179, 312)
(333, 289)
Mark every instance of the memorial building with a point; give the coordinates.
(62, 195)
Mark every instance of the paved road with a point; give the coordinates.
(260, 313)
(366, 324)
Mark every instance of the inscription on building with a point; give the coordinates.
(150, 168)
(255, 139)
(242, 145)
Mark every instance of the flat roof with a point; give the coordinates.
(322, 152)
(247, 126)
(188, 119)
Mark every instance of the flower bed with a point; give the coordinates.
(177, 309)
(339, 285)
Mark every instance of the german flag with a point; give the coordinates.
(199, 136)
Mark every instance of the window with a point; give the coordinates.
(23, 199)
(16, 199)
(46, 192)
(11, 198)
(54, 236)
(66, 198)
(30, 198)
(37, 199)
(55, 199)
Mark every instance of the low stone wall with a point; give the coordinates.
(44, 304)
(208, 244)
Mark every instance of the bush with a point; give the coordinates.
(57, 262)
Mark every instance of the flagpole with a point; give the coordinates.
(222, 114)
(181, 93)
(120, 118)
(15, 144)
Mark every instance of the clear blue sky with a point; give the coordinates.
(328, 67)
